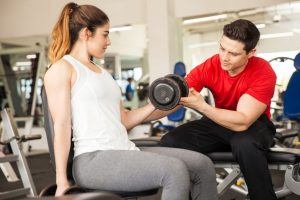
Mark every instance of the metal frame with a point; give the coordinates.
(25, 45)
(291, 181)
(18, 157)
(7, 170)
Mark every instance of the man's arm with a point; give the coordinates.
(248, 111)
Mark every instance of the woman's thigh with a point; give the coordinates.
(121, 170)
(193, 160)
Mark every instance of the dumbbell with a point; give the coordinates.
(165, 92)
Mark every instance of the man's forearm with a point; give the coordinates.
(230, 119)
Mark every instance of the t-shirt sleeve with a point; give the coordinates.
(262, 86)
(193, 79)
(198, 77)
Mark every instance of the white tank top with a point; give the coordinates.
(95, 104)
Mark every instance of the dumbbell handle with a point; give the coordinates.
(25, 138)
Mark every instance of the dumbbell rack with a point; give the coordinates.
(10, 129)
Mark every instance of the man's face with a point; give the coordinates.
(233, 56)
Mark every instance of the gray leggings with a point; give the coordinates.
(175, 170)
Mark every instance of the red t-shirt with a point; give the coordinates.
(258, 80)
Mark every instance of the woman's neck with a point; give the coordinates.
(79, 52)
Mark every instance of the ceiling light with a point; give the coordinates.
(15, 68)
(31, 56)
(205, 19)
(204, 44)
(23, 63)
(276, 35)
(250, 12)
(259, 26)
(296, 30)
(277, 18)
(120, 28)
(102, 61)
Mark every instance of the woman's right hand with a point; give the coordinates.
(61, 188)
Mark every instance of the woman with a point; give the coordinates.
(84, 97)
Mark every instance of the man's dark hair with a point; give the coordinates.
(244, 31)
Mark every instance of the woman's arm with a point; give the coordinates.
(158, 114)
(131, 118)
(57, 83)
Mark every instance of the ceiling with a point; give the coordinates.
(286, 12)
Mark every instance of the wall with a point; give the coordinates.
(185, 8)
(19, 18)
(194, 56)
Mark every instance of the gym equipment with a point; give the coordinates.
(165, 92)
(284, 159)
(22, 66)
(18, 157)
(291, 106)
(8, 171)
(83, 196)
(179, 69)
(51, 189)
(177, 116)
(5, 140)
(142, 90)
(23, 138)
(75, 192)
(50, 133)
(291, 109)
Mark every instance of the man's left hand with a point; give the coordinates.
(194, 100)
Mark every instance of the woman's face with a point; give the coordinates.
(99, 41)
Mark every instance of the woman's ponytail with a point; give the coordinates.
(61, 39)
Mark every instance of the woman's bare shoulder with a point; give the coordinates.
(59, 70)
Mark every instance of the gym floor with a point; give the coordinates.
(43, 176)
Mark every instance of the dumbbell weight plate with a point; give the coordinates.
(181, 82)
(164, 93)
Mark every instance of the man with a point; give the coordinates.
(242, 86)
(129, 91)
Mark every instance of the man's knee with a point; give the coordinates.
(244, 146)
(168, 140)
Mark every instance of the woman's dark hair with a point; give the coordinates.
(243, 31)
(71, 20)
